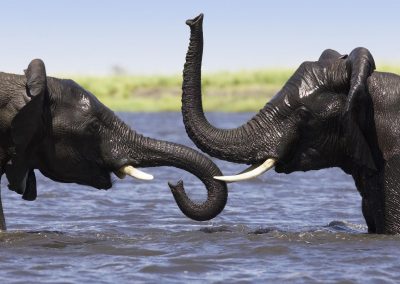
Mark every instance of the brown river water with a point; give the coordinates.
(297, 228)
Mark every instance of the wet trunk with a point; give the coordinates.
(160, 153)
(235, 145)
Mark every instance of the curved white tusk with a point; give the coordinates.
(133, 172)
(251, 172)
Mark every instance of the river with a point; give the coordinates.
(297, 228)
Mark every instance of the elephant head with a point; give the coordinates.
(325, 115)
(70, 136)
(302, 128)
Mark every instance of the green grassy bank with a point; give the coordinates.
(222, 91)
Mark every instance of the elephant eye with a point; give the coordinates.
(286, 101)
(303, 113)
(94, 126)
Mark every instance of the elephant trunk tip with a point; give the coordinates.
(195, 21)
(178, 187)
(198, 212)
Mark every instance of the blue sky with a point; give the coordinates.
(147, 37)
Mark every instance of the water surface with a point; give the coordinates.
(301, 228)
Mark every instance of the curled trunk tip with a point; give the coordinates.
(194, 21)
(203, 212)
(163, 153)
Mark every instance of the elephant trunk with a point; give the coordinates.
(233, 145)
(162, 153)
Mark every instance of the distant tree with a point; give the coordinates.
(118, 70)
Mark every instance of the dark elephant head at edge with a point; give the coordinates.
(326, 115)
(58, 127)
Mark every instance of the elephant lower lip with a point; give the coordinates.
(102, 182)
(282, 167)
(128, 170)
(119, 174)
(279, 168)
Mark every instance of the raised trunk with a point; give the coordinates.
(235, 145)
(161, 153)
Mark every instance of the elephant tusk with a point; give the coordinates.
(251, 172)
(133, 172)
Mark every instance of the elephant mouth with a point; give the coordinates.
(299, 160)
(251, 172)
(128, 170)
(100, 177)
(256, 170)
(285, 164)
(283, 167)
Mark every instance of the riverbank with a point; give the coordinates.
(223, 91)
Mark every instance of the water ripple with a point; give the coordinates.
(298, 228)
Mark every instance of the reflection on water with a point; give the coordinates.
(303, 227)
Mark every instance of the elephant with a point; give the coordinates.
(56, 126)
(334, 112)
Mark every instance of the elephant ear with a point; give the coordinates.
(27, 129)
(330, 54)
(360, 64)
(22, 180)
(29, 120)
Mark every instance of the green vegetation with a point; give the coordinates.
(389, 68)
(222, 91)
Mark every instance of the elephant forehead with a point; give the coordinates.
(72, 116)
(84, 102)
(307, 88)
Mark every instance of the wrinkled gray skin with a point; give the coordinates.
(61, 129)
(335, 112)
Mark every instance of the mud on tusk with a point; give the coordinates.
(251, 172)
(133, 172)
